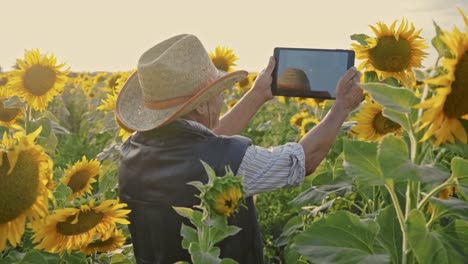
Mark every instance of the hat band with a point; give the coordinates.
(175, 101)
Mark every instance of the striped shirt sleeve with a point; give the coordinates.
(265, 170)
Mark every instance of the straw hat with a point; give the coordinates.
(172, 78)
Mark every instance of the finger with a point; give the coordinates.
(357, 77)
(349, 74)
(271, 65)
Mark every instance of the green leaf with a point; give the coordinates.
(197, 184)
(398, 117)
(200, 257)
(228, 261)
(291, 256)
(316, 194)
(361, 162)
(120, 259)
(290, 228)
(391, 97)
(73, 258)
(340, 237)
(439, 44)
(390, 233)
(218, 234)
(435, 246)
(189, 234)
(460, 171)
(211, 173)
(62, 192)
(450, 207)
(361, 38)
(370, 76)
(431, 174)
(456, 238)
(393, 157)
(292, 225)
(33, 256)
(194, 216)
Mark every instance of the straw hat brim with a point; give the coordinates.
(133, 114)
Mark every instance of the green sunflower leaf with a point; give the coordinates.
(446, 245)
(442, 48)
(211, 173)
(361, 38)
(398, 117)
(394, 160)
(189, 234)
(460, 171)
(390, 233)
(360, 162)
(340, 237)
(450, 207)
(391, 97)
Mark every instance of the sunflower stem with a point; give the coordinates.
(27, 114)
(449, 182)
(400, 217)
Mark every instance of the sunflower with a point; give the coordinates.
(116, 81)
(394, 52)
(296, 119)
(305, 101)
(307, 124)
(25, 170)
(247, 83)
(371, 124)
(4, 91)
(73, 228)
(224, 196)
(115, 241)
(80, 176)
(223, 58)
(112, 89)
(226, 201)
(9, 117)
(232, 103)
(447, 106)
(108, 104)
(38, 79)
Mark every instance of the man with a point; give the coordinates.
(173, 101)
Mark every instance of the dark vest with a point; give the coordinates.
(154, 169)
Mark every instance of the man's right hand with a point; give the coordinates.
(348, 91)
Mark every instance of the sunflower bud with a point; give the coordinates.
(225, 194)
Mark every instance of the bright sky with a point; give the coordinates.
(110, 35)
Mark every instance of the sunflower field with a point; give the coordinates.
(392, 189)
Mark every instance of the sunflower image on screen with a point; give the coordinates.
(293, 80)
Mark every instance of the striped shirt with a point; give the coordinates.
(268, 169)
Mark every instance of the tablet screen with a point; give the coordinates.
(310, 72)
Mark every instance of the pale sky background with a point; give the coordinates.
(104, 35)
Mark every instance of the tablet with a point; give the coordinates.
(311, 73)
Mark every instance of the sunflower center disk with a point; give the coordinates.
(390, 54)
(39, 79)
(221, 64)
(79, 180)
(19, 190)
(8, 114)
(228, 203)
(86, 221)
(455, 106)
(384, 125)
